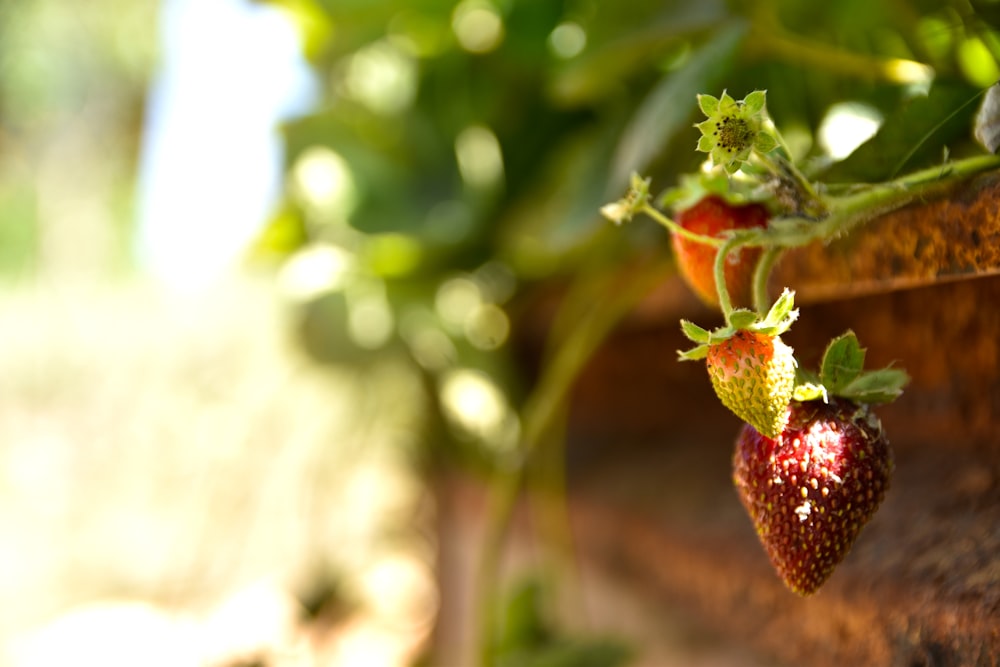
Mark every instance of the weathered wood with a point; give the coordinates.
(950, 238)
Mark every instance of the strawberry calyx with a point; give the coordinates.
(842, 374)
(776, 322)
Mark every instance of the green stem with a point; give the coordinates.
(761, 298)
(680, 231)
(540, 415)
(719, 272)
(810, 202)
(769, 39)
(850, 211)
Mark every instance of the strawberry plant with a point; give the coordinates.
(812, 463)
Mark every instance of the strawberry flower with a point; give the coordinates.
(734, 129)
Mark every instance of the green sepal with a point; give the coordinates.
(694, 332)
(780, 317)
(721, 334)
(809, 392)
(807, 386)
(881, 386)
(754, 102)
(708, 104)
(764, 142)
(842, 363)
(741, 318)
(694, 354)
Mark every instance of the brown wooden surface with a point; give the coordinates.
(949, 238)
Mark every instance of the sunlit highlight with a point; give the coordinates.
(480, 159)
(846, 126)
(316, 269)
(567, 40)
(400, 591)
(478, 408)
(477, 26)
(322, 179)
(487, 327)
(430, 347)
(370, 321)
(456, 299)
(382, 77)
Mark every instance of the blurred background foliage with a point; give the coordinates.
(455, 159)
(73, 81)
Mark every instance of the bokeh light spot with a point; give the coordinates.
(567, 40)
(477, 26)
(846, 126)
(480, 159)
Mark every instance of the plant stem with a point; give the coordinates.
(680, 231)
(762, 272)
(848, 211)
(719, 273)
(542, 410)
(809, 203)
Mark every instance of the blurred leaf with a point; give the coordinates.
(526, 640)
(913, 137)
(599, 72)
(671, 104)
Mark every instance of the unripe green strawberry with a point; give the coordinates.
(753, 374)
(712, 216)
(811, 489)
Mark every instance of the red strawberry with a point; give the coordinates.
(753, 374)
(712, 216)
(811, 489)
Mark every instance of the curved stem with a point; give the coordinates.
(719, 273)
(769, 39)
(680, 231)
(761, 298)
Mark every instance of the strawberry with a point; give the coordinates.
(712, 216)
(811, 489)
(753, 374)
(751, 369)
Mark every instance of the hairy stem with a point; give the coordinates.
(719, 272)
(762, 272)
(680, 231)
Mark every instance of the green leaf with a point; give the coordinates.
(842, 362)
(670, 105)
(619, 49)
(694, 332)
(881, 386)
(912, 136)
(694, 354)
